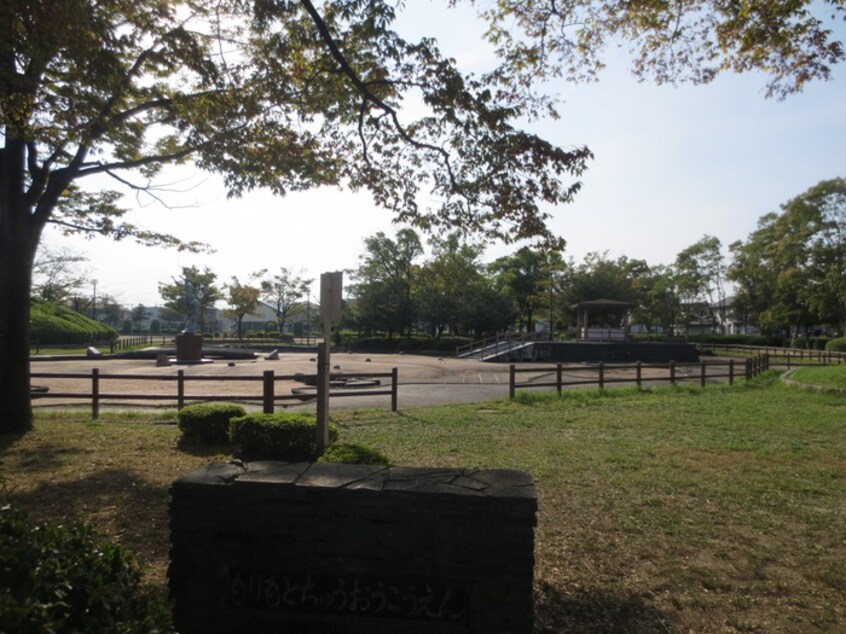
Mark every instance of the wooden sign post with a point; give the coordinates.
(331, 285)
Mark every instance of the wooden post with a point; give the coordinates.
(323, 384)
(394, 388)
(180, 389)
(701, 374)
(511, 387)
(558, 378)
(331, 285)
(95, 393)
(748, 369)
(731, 371)
(639, 373)
(672, 372)
(601, 375)
(267, 392)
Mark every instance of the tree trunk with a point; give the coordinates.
(15, 276)
(18, 241)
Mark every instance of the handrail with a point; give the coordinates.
(499, 344)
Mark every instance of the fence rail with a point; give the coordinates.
(702, 371)
(779, 356)
(268, 396)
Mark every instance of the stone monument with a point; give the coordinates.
(189, 345)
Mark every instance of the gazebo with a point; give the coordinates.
(588, 332)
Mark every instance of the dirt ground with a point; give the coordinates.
(422, 380)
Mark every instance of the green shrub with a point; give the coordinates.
(208, 423)
(400, 344)
(288, 437)
(54, 324)
(58, 579)
(836, 345)
(354, 454)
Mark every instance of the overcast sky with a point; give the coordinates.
(671, 165)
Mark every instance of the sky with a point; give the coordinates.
(671, 165)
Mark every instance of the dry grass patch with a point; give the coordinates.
(669, 510)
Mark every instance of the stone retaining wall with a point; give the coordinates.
(308, 548)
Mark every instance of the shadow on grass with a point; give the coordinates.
(7, 440)
(594, 611)
(118, 503)
(204, 450)
(43, 458)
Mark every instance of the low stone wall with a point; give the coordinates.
(307, 548)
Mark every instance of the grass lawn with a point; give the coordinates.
(667, 510)
(830, 376)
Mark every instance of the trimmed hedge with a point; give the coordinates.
(208, 423)
(401, 344)
(54, 324)
(58, 579)
(836, 345)
(281, 436)
(348, 453)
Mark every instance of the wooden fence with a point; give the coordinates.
(786, 357)
(701, 372)
(268, 379)
(124, 342)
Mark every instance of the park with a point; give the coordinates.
(661, 509)
(593, 382)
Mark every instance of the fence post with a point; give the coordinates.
(701, 374)
(95, 393)
(394, 386)
(267, 391)
(731, 371)
(748, 369)
(601, 374)
(639, 373)
(672, 372)
(511, 382)
(180, 389)
(558, 378)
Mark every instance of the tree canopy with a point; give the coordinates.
(291, 94)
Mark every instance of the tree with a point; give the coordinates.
(700, 279)
(109, 311)
(284, 291)
(525, 278)
(599, 277)
(200, 284)
(449, 285)
(384, 282)
(243, 300)
(791, 271)
(56, 275)
(285, 95)
(670, 42)
(137, 316)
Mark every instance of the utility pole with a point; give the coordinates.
(94, 301)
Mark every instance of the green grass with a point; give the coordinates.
(830, 376)
(670, 509)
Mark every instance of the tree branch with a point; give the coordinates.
(363, 89)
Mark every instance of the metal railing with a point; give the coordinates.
(498, 344)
